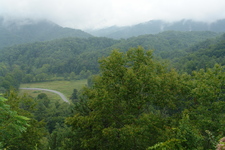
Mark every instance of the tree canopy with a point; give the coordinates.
(136, 98)
(11, 124)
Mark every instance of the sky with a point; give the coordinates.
(87, 14)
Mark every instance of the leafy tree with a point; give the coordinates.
(62, 138)
(12, 125)
(44, 98)
(41, 77)
(72, 76)
(28, 78)
(35, 131)
(207, 107)
(188, 134)
(127, 104)
(203, 113)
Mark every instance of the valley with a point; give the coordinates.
(125, 85)
(65, 87)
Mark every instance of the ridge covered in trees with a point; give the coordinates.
(132, 100)
(70, 57)
(135, 100)
(27, 31)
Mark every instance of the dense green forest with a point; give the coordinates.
(202, 55)
(78, 58)
(162, 91)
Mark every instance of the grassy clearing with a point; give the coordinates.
(65, 87)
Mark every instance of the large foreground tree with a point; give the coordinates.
(129, 103)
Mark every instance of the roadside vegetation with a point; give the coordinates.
(65, 87)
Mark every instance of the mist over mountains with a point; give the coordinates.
(27, 31)
(156, 26)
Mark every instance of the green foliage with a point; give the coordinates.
(52, 112)
(72, 76)
(136, 98)
(41, 61)
(74, 96)
(135, 102)
(202, 55)
(203, 113)
(188, 134)
(208, 94)
(35, 131)
(37, 61)
(171, 144)
(62, 138)
(11, 124)
(119, 110)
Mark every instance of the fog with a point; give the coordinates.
(103, 13)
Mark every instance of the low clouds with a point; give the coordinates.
(101, 13)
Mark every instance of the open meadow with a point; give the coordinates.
(65, 87)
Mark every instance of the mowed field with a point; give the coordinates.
(65, 87)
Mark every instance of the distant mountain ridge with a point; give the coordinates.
(27, 31)
(76, 54)
(156, 26)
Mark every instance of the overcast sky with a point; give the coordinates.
(83, 14)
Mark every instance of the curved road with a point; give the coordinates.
(53, 91)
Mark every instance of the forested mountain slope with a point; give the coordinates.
(202, 55)
(75, 54)
(135, 97)
(26, 31)
(167, 41)
(60, 56)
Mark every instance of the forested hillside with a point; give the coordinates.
(132, 100)
(201, 56)
(57, 54)
(167, 42)
(43, 61)
(169, 86)
(27, 31)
